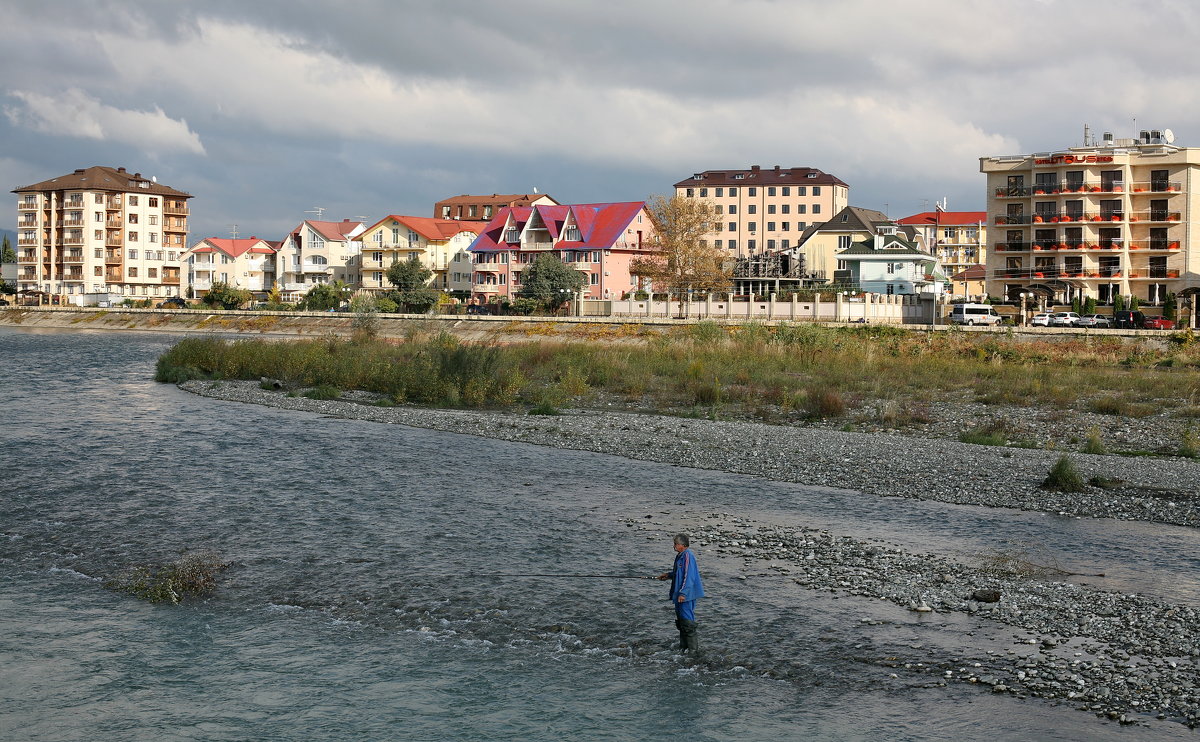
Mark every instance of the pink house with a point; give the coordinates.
(598, 240)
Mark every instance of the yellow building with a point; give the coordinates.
(819, 246)
(1101, 220)
(765, 210)
(100, 231)
(440, 244)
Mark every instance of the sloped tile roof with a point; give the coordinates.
(101, 178)
(600, 225)
(947, 218)
(756, 176)
(431, 229)
(235, 248)
(334, 231)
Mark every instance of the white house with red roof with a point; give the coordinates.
(598, 240)
(318, 252)
(440, 244)
(247, 263)
(957, 238)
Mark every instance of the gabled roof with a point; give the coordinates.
(101, 178)
(333, 231)
(856, 219)
(431, 229)
(600, 225)
(894, 246)
(235, 247)
(945, 219)
(496, 199)
(974, 273)
(756, 176)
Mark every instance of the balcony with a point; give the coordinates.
(113, 277)
(73, 240)
(71, 223)
(1157, 186)
(114, 222)
(26, 241)
(28, 257)
(27, 205)
(1153, 273)
(113, 204)
(532, 245)
(486, 288)
(1011, 246)
(168, 227)
(311, 268)
(488, 267)
(112, 257)
(171, 279)
(1013, 219)
(72, 257)
(73, 276)
(175, 207)
(1156, 215)
(114, 241)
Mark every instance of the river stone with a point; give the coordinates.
(986, 596)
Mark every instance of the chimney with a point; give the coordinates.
(137, 175)
(755, 168)
(120, 170)
(776, 168)
(78, 171)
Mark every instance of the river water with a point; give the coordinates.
(359, 605)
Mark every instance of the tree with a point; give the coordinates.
(324, 296)
(225, 296)
(682, 262)
(7, 255)
(411, 278)
(1171, 307)
(549, 282)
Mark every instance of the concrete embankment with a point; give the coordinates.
(466, 327)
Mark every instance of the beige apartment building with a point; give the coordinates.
(959, 241)
(100, 233)
(247, 263)
(483, 208)
(766, 210)
(440, 244)
(1101, 220)
(318, 252)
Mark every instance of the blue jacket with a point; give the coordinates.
(685, 577)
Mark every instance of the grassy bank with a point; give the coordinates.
(791, 370)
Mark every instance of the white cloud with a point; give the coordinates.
(74, 113)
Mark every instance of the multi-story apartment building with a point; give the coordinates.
(100, 231)
(957, 238)
(440, 244)
(318, 252)
(247, 264)
(1101, 220)
(765, 210)
(821, 244)
(472, 208)
(598, 240)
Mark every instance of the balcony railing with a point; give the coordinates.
(171, 207)
(26, 241)
(72, 241)
(114, 241)
(486, 288)
(172, 280)
(312, 268)
(114, 223)
(72, 257)
(1157, 186)
(112, 204)
(112, 256)
(71, 223)
(27, 205)
(1013, 218)
(537, 245)
(1155, 215)
(28, 257)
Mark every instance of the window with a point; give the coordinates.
(152, 273)
(691, 192)
(770, 226)
(783, 226)
(153, 236)
(891, 267)
(891, 289)
(801, 190)
(471, 210)
(751, 226)
(770, 190)
(132, 272)
(133, 218)
(720, 210)
(732, 227)
(770, 244)
(770, 208)
(720, 192)
(98, 271)
(801, 208)
(733, 244)
(595, 279)
(800, 226)
(133, 236)
(843, 241)
(445, 212)
(703, 193)
(750, 245)
(152, 201)
(716, 243)
(133, 201)
(487, 212)
(752, 191)
(816, 190)
(732, 191)
(99, 199)
(99, 216)
(948, 233)
(133, 254)
(98, 234)
(732, 209)
(816, 208)
(785, 244)
(752, 209)
(787, 191)
(785, 209)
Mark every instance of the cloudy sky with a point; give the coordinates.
(265, 109)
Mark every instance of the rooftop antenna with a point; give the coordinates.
(234, 231)
(318, 210)
(535, 190)
(1087, 136)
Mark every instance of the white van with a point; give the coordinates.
(975, 314)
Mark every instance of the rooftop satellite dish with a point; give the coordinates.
(1168, 136)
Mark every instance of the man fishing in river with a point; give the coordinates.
(685, 589)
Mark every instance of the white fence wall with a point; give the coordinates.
(872, 308)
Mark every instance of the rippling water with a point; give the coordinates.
(359, 605)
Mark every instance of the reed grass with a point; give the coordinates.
(792, 368)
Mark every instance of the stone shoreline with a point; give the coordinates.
(1122, 657)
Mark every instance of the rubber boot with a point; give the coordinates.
(692, 642)
(679, 622)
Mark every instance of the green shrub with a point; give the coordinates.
(1094, 444)
(825, 403)
(1064, 477)
(324, 391)
(192, 575)
(1189, 443)
(544, 408)
(985, 435)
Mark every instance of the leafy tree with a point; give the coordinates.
(386, 305)
(1171, 307)
(411, 277)
(1089, 305)
(1119, 303)
(225, 296)
(324, 296)
(275, 296)
(682, 262)
(549, 282)
(7, 254)
(7, 288)
(1133, 303)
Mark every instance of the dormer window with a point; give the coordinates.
(571, 234)
(512, 235)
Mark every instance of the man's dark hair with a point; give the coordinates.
(682, 540)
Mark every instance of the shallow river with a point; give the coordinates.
(359, 604)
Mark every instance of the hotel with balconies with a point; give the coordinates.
(1106, 219)
(439, 244)
(318, 252)
(765, 210)
(100, 231)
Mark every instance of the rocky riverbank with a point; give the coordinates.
(1120, 656)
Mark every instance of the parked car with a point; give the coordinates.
(1063, 319)
(478, 309)
(173, 302)
(1129, 319)
(1094, 320)
(1041, 319)
(975, 314)
(1158, 323)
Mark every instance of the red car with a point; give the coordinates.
(1158, 323)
